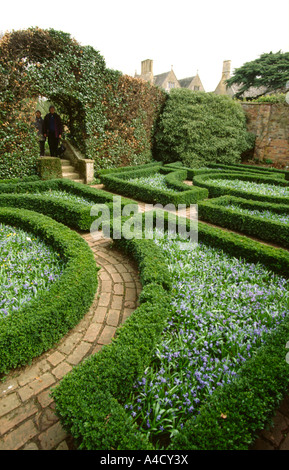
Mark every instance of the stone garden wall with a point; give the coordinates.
(270, 123)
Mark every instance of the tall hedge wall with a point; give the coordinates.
(110, 117)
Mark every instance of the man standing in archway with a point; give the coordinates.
(52, 128)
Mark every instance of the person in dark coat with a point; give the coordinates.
(38, 123)
(52, 128)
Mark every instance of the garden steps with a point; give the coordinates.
(69, 172)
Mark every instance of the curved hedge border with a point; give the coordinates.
(186, 194)
(275, 173)
(89, 399)
(213, 211)
(44, 321)
(72, 214)
(125, 169)
(216, 191)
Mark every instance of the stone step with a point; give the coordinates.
(65, 163)
(68, 169)
(69, 172)
(70, 175)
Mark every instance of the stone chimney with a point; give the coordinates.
(226, 74)
(226, 70)
(147, 70)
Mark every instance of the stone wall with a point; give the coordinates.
(270, 123)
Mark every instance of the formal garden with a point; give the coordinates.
(200, 363)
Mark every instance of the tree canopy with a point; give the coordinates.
(268, 73)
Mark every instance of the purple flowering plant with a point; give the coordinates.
(252, 187)
(27, 266)
(262, 214)
(222, 310)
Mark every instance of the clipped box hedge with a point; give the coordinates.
(215, 212)
(118, 183)
(89, 399)
(274, 172)
(41, 323)
(125, 169)
(203, 181)
(49, 168)
(70, 213)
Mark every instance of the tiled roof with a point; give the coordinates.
(159, 79)
(185, 82)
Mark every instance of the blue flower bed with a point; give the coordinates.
(220, 315)
(42, 321)
(27, 267)
(263, 214)
(180, 337)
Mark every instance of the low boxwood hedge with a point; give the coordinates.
(125, 169)
(274, 172)
(213, 211)
(45, 320)
(203, 181)
(89, 399)
(72, 214)
(118, 183)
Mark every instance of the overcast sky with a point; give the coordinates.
(189, 35)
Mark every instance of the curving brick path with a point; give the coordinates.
(27, 418)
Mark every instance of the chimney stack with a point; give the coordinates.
(147, 70)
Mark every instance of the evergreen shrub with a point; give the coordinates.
(199, 128)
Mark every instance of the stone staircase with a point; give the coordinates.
(69, 172)
(68, 169)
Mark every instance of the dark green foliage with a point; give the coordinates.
(200, 128)
(269, 72)
(217, 191)
(73, 214)
(117, 183)
(49, 168)
(213, 211)
(44, 321)
(252, 169)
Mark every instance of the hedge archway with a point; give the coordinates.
(36, 62)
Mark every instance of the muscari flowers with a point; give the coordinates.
(221, 312)
(27, 266)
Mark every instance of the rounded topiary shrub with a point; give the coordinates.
(199, 128)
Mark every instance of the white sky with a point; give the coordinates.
(189, 35)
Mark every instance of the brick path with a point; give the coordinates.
(27, 418)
